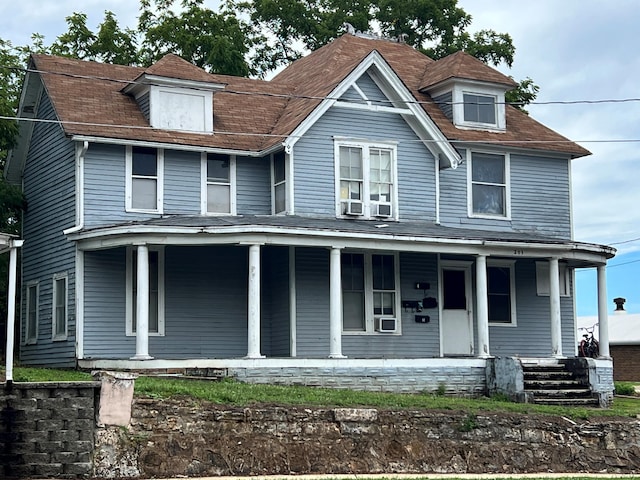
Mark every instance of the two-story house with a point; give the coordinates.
(368, 218)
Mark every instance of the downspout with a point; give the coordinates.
(437, 167)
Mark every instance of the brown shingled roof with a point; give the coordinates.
(462, 65)
(253, 115)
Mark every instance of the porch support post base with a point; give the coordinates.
(141, 357)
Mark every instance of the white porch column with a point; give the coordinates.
(253, 323)
(554, 308)
(335, 304)
(11, 306)
(482, 306)
(603, 315)
(142, 304)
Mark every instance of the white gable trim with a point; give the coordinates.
(391, 85)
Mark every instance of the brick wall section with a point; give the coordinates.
(47, 429)
(466, 381)
(626, 363)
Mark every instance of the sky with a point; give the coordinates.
(577, 51)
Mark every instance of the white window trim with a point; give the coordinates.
(365, 145)
(542, 279)
(507, 186)
(156, 107)
(510, 264)
(159, 179)
(129, 292)
(287, 176)
(56, 278)
(370, 318)
(203, 187)
(32, 340)
(457, 97)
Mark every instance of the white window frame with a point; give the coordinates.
(367, 203)
(370, 317)
(509, 264)
(129, 292)
(494, 101)
(31, 340)
(542, 279)
(64, 277)
(159, 181)
(163, 116)
(506, 186)
(204, 183)
(275, 184)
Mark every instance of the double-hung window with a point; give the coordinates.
(365, 176)
(218, 184)
(156, 291)
(60, 307)
(369, 293)
(144, 179)
(33, 306)
(501, 293)
(479, 108)
(488, 189)
(279, 180)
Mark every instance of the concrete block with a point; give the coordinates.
(78, 469)
(116, 396)
(48, 470)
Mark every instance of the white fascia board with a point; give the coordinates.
(174, 146)
(274, 235)
(427, 131)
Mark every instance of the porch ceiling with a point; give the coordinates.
(326, 232)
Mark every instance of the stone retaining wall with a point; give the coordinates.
(47, 429)
(176, 437)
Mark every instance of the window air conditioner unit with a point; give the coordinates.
(387, 325)
(354, 208)
(381, 210)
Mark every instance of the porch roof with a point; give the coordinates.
(419, 236)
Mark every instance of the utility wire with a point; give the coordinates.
(315, 97)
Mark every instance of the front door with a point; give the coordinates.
(456, 326)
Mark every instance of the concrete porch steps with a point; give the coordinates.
(553, 383)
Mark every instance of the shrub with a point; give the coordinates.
(625, 388)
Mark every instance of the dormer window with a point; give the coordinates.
(175, 104)
(479, 108)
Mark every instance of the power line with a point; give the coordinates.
(284, 135)
(315, 97)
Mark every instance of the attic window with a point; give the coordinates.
(479, 108)
(184, 109)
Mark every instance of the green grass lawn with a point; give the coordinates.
(229, 392)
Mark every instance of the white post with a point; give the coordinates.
(482, 306)
(11, 306)
(253, 322)
(335, 305)
(603, 315)
(142, 304)
(554, 308)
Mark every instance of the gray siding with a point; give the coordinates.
(49, 187)
(182, 187)
(540, 199)
(372, 92)
(253, 186)
(314, 168)
(276, 333)
(205, 304)
(532, 336)
(445, 102)
(145, 105)
(312, 299)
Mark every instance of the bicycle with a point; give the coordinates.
(589, 346)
